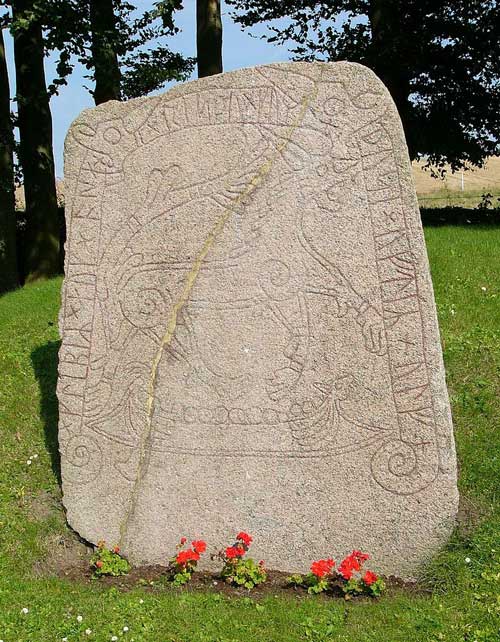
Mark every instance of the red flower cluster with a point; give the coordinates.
(323, 578)
(191, 554)
(199, 546)
(370, 578)
(183, 557)
(348, 566)
(322, 567)
(232, 552)
(240, 547)
(352, 563)
(245, 538)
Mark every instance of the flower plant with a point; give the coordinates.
(318, 579)
(183, 564)
(108, 561)
(239, 571)
(356, 581)
(349, 575)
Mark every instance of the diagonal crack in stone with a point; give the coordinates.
(218, 228)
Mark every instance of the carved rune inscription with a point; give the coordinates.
(248, 325)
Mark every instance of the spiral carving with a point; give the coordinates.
(82, 460)
(403, 468)
(143, 307)
(276, 281)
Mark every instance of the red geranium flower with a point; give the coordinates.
(361, 557)
(116, 549)
(345, 570)
(322, 567)
(369, 578)
(348, 566)
(199, 546)
(234, 551)
(183, 557)
(99, 564)
(318, 569)
(183, 541)
(244, 537)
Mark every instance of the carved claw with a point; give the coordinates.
(373, 330)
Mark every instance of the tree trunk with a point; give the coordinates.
(105, 59)
(8, 261)
(37, 160)
(208, 37)
(386, 58)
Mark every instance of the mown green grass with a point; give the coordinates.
(462, 602)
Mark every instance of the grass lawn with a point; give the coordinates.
(460, 596)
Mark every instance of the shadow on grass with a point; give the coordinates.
(460, 217)
(44, 360)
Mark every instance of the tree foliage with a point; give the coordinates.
(139, 40)
(122, 48)
(145, 61)
(440, 60)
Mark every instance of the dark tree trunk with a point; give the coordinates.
(105, 59)
(37, 160)
(208, 37)
(8, 262)
(386, 60)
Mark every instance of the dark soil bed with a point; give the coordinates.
(155, 578)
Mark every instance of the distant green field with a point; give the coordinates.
(455, 198)
(459, 600)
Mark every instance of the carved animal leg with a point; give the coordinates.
(293, 315)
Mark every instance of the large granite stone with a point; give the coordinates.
(248, 324)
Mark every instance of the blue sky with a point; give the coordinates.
(239, 50)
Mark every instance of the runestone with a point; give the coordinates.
(249, 334)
